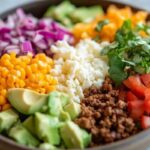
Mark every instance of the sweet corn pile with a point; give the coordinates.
(25, 72)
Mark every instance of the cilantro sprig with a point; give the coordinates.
(129, 50)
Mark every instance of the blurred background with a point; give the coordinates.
(6, 4)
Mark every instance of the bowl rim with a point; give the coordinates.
(114, 145)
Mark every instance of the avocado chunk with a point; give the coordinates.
(7, 119)
(73, 109)
(26, 101)
(73, 136)
(23, 136)
(60, 13)
(29, 124)
(64, 116)
(68, 14)
(56, 101)
(84, 14)
(47, 128)
(47, 146)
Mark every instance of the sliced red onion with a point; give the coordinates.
(4, 30)
(37, 38)
(20, 13)
(12, 48)
(41, 44)
(48, 34)
(2, 23)
(21, 39)
(3, 44)
(28, 33)
(10, 22)
(15, 41)
(26, 47)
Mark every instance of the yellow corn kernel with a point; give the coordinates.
(50, 88)
(23, 73)
(12, 55)
(3, 92)
(51, 80)
(11, 80)
(21, 83)
(2, 100)
(42, 83)
(28, 71)
(3, 82)
(25, 59)
(49, 61)
(4, 71)
(5, 57)
(34, 68)
(41, 56)
(6, 106)
(41, 90)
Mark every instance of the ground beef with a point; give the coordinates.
(105, 115)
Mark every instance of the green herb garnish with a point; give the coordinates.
(129, 50)
(143, 27)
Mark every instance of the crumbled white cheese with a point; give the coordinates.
(77, 68)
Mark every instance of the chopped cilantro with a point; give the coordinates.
(129, 50)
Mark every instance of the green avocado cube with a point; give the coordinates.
(73, 109)
(26, 101)
(64, 116)
(29, 124)
(47, 146)
(7, 119)
(84, 14)
(56, 101)
(73, 136)
(23, 136)
(47, 128)
(60, 13)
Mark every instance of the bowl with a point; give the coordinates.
(139, 141)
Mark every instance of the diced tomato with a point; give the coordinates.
(147, 106)
(145, 122)
(136, 108)
(135, 85)
(131, 97)
(147, 94)
(146, 79)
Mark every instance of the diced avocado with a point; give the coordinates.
(7, 119)
(68, 14)
(26, 101)
(29, 124)
(64, 116)
(73, 109)
(46, 128)
(83, 14)
(73, 136)
(65, 99)
(23, 136)
(56, 101)
(47, 146)
(60, 13)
